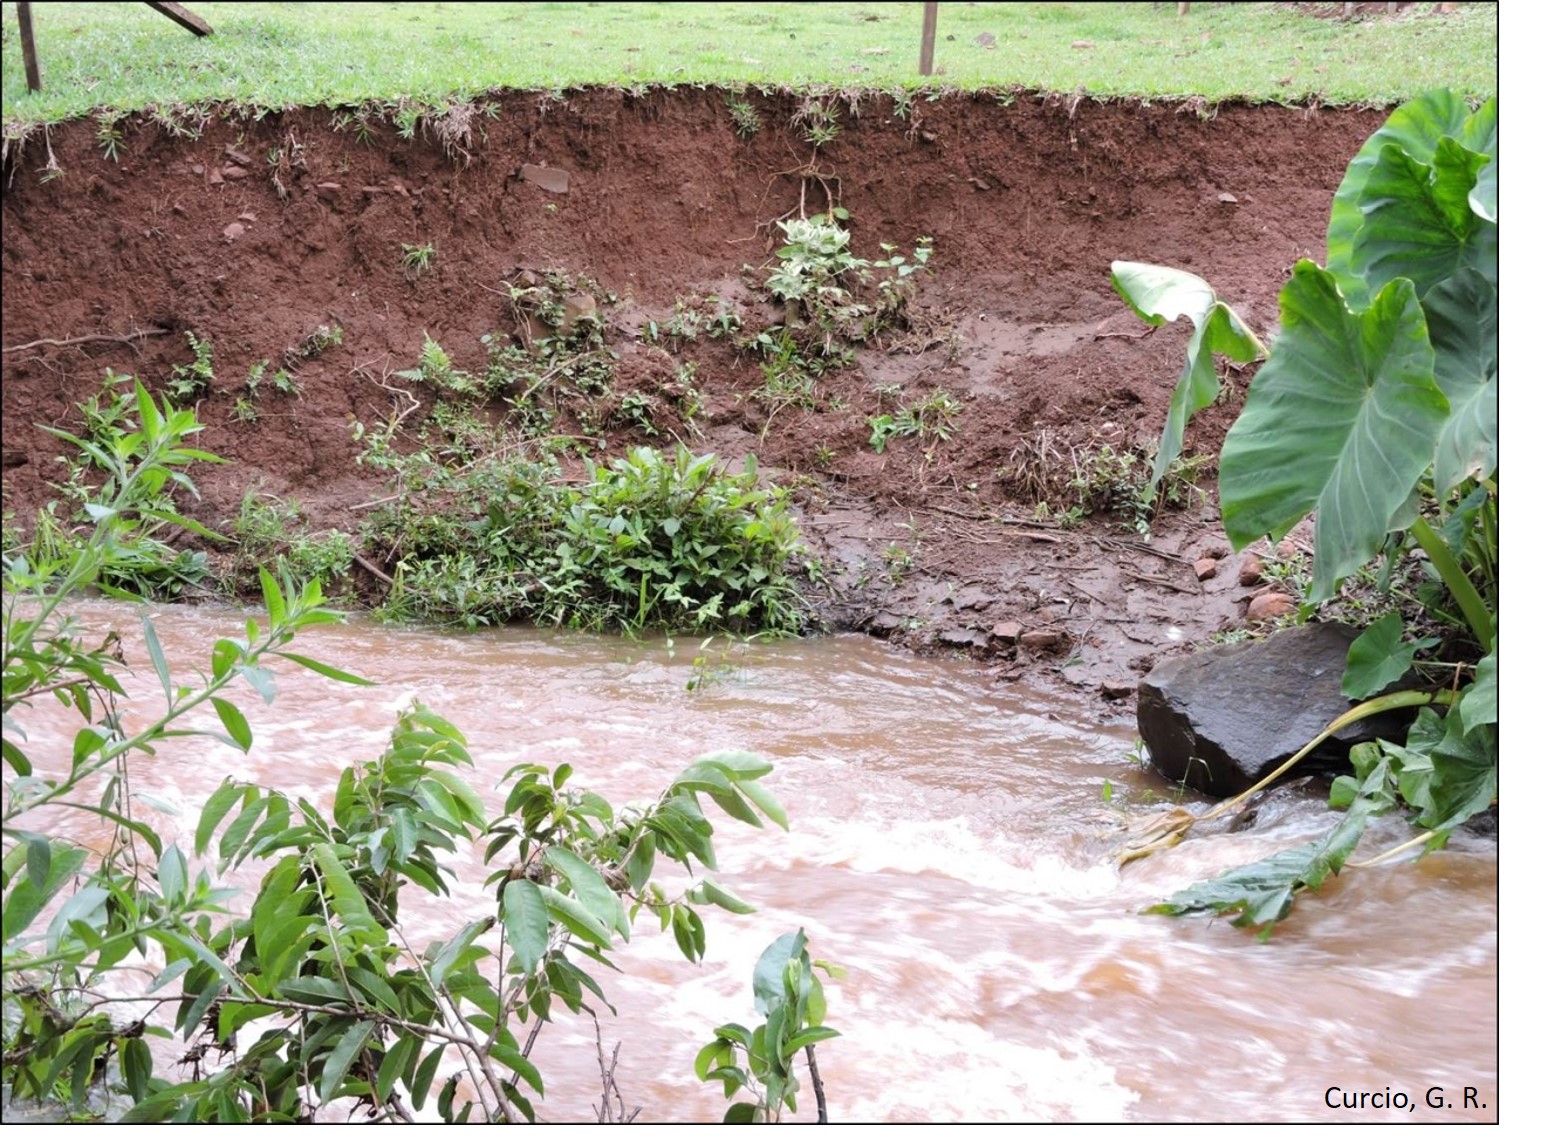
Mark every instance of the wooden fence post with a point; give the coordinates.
(28, 46)
(928, 38)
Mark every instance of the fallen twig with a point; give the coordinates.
(124, 339)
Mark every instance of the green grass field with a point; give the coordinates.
(125, 57)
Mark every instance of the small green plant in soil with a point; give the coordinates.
(1116, 482)
(416, 258)
(842, 299)
(191, 380)
(324, 338)
(934, 417)
(746, 120)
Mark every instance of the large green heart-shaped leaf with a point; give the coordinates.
(1343, 420)
(1462, 315)
(1481, 134)
(1416, 127)
(1418, 223)
(1158, 294)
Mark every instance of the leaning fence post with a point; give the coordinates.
(928, 39)
(28, 47)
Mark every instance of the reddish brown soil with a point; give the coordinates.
(1027, 204)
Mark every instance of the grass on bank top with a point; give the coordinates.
(125, 57)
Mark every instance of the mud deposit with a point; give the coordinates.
(254, 233)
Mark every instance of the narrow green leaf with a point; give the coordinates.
(273, 598)
(157, 657)
(234, 722)
(326, 670)
(724, 898)
(342, 1058)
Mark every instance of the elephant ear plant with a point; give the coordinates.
(1376, 411)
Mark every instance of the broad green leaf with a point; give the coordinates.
(172, 874)
(39, 856)
(137, 1066)
(1416, 127)
(1462, 315)
(1158, 294)
(740, 1114)
(1377, 658)
(1263, 893)
(1481, 134)
(807, 1039)
(234, 722)
(738, 765)
(1465, 776)
(342, 1058)
(1343, 419)
(575, 918)
(1417, 223)
(1479, 701)
(712, 1054)
(589, 887)
(448, 957)
(770, 970)
(526, 922)
(26, 899)
(422, 1081)
(766, 801)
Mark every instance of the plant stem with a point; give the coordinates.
(1450, 572)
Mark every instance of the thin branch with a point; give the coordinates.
(818, 1085)
(127, 338)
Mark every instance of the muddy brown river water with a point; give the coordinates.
(950, 847)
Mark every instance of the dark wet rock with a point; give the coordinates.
(1009, 631)
(1222, 719)
(1116, 689)
(883, 624)
(959, 638)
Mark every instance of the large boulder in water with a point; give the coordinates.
(1222, 719)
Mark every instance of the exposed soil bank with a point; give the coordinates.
(256, 232)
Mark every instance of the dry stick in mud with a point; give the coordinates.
(928, 39)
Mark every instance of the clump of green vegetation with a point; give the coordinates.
(142, 564)
(839, 298)
(932, 417)
(191, 380)
(651, 540)
(746, 120)
(416, 258)
(270, 532)
(1116, 482)
(693, 317)
(245, 409)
